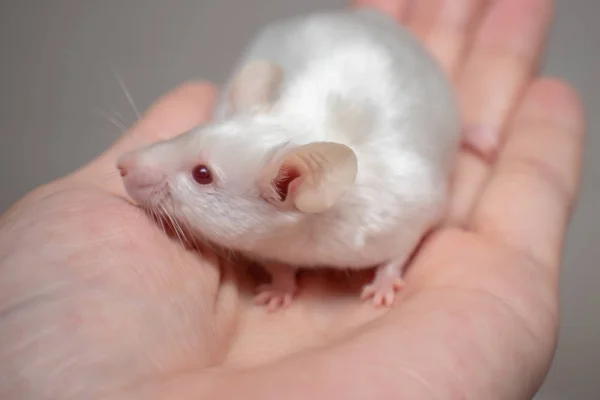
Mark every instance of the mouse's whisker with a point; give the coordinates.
(207, 244)
(160, 221)
(118, 117)
(229, 255)
(127, 94)
(191, 237)
(165, 214)
(175, 225)
(182, 236)
(122, 128)
(111, 175)
(179, 229)
(155, 216)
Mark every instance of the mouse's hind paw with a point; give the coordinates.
(280, 292)
(273, 298)
(385, 284)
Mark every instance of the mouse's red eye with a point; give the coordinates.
(202, 175)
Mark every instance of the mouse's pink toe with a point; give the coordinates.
(384, 286)
(279, 293)
(383, 293)
(274, 297)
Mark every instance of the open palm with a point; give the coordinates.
(97, 302)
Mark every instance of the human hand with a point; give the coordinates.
(96, 302)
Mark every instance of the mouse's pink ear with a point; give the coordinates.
(313, 177)
(255, 86)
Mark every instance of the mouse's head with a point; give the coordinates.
(238, 180)
(234, 190)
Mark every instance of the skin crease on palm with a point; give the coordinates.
(97, 302)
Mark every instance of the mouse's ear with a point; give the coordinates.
(313, 177)
(255, 85)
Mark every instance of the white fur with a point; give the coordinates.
(354, 77)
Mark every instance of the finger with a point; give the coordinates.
(527, 204)
(445, 27)
(396, 8)
(498, 65)
(503, 57)
(174, 113)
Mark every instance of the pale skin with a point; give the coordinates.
(96, 301)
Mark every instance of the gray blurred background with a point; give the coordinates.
(58, 89)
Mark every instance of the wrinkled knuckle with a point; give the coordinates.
(555, 182)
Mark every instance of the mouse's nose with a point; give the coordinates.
(142, 180)
(125, 164)
(137, 173)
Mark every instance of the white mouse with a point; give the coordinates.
(332, 146)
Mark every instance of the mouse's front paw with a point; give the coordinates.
(384, 286)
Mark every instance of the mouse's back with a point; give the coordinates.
(367, 60)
